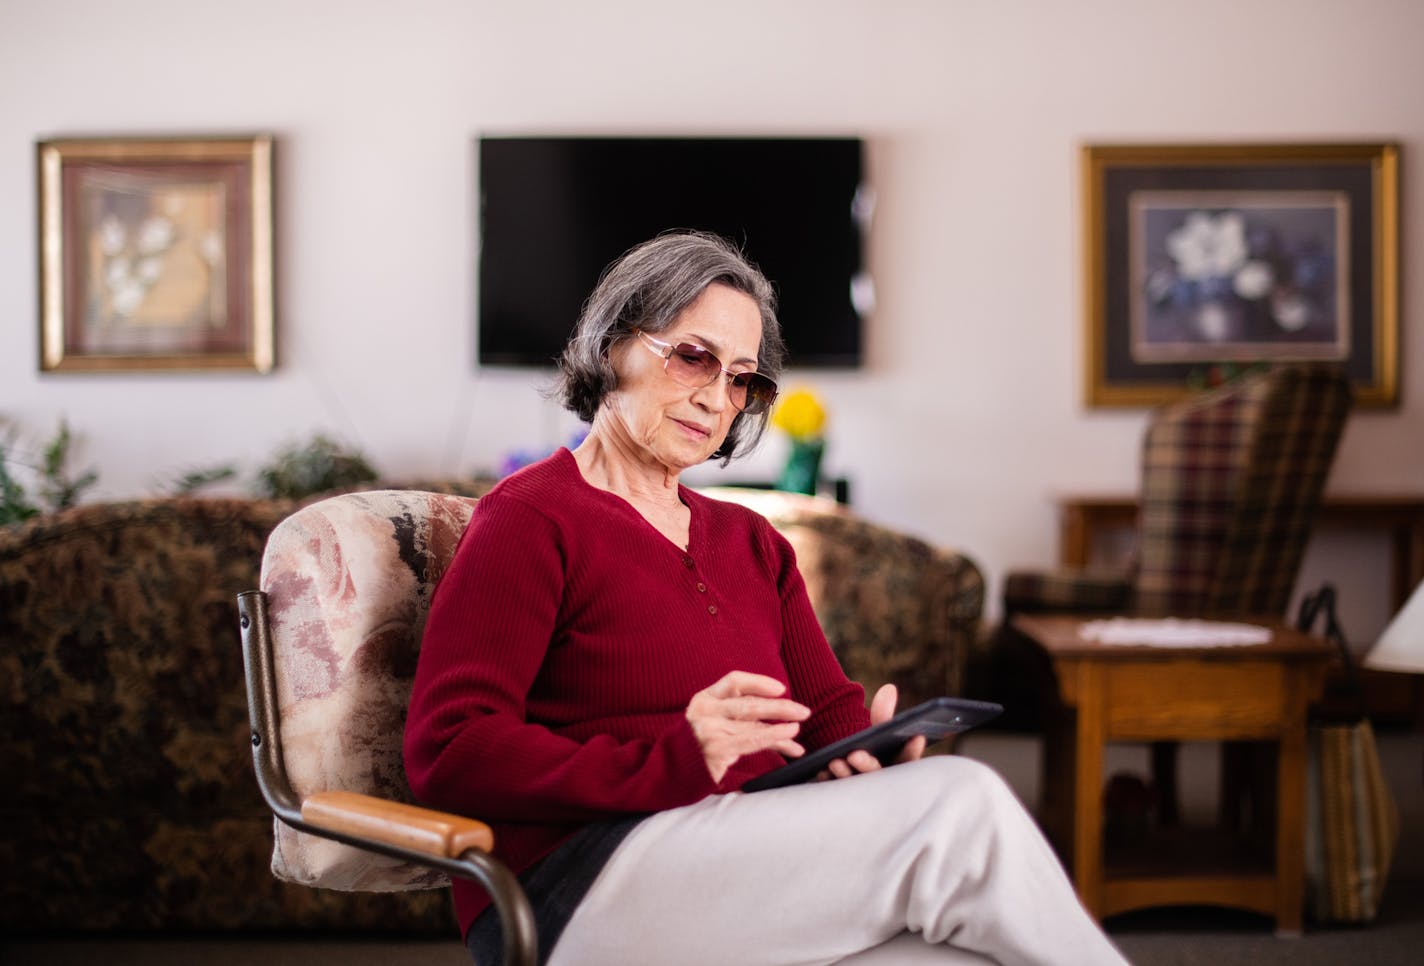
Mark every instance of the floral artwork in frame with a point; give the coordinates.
(156, 254)
(1204, 260)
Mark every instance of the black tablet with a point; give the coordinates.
(934, 719)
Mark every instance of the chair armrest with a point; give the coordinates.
(1072, 591)
(396, 824)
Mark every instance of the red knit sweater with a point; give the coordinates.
(564, 643)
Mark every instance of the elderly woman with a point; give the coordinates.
(611, 656)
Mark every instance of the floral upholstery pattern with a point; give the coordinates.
(129, 799)
(117, 738)
(348, 583)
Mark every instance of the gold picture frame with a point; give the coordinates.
(156, 254)
(1201, 260)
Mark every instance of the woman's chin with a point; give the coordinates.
(686, 456)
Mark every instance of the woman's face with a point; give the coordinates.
(671, 424)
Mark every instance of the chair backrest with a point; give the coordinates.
(1230, 481)
(348, 583)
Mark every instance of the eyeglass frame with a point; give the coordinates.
(664, 350)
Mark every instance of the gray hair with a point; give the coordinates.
(645, 289)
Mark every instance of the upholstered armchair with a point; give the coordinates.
(1230, 480)
(329, 647)
(330, 643)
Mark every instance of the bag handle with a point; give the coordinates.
(1323, 600)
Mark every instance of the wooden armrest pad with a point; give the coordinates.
(394, 823)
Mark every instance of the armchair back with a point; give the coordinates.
(1230, 482)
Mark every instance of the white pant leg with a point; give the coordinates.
(910, 949)
(821, 872)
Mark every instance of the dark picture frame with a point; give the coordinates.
(156, 254)
(1201, 260)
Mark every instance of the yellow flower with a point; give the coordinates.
(800, 415)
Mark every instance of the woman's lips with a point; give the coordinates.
(694, 428)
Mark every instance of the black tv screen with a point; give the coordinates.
(554, 211)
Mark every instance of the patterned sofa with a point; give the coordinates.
(128, 799)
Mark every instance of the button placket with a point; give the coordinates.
(701, 585)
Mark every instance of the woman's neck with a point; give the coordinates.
(612, 463)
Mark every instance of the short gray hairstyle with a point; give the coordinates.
(645, 289)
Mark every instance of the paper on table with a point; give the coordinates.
(1173, 632)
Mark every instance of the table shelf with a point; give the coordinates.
(1186, 853)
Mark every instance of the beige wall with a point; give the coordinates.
(967, 418)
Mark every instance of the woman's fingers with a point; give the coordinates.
(764, 709)
(882, 706)
(723, 699)
(736, 683)
(741, 714)
(746, 739)
(914, 749)
(755, 697)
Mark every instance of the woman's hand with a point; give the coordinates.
(882, 708)
(741, 714)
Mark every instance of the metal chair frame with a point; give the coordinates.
(512, 906)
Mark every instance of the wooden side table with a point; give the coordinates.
(1114, 692)
(1087, 521)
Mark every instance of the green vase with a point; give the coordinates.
(803, 467)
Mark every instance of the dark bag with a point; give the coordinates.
(1352, 822)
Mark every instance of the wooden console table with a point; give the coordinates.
(1114, 692)
(1084, 521)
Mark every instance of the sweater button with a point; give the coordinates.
(702, 588)
(712, 608)
(687, 562)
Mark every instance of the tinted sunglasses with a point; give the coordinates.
(693, 366)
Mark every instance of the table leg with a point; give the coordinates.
(1088, 789)
(1290, 810)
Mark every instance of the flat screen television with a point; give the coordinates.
(554, 211)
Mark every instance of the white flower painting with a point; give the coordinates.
(156, 254)
(156, 251)
(1239, 276)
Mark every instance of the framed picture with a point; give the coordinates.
(1202, 260)
(156, 254)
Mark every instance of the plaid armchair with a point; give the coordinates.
(1230, 480)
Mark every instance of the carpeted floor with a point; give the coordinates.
(1159, 937)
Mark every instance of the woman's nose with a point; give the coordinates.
(716, 395)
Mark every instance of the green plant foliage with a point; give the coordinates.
(194, 480)
(57, 488)
(320, 465)
(15, 506)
